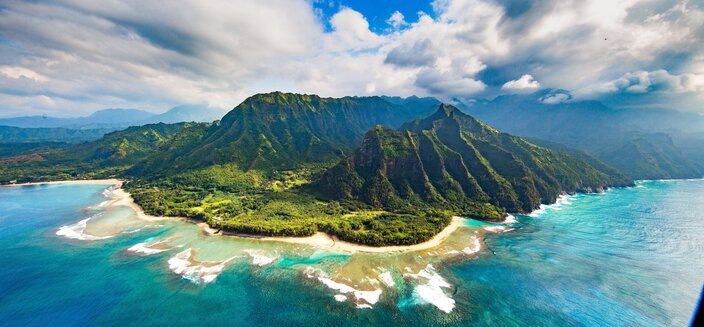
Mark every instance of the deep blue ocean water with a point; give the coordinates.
(628, 257)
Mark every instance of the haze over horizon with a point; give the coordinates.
(69, 58)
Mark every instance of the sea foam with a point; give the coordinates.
(431, 291)
(259, 259)
(144, 249)
(198, 273)
(561, 201)
(510, 219)
(497, 229)
(363, 299)
(77, 232)
(387, 279)
(476, 247)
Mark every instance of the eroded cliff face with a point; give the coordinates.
(450, 160)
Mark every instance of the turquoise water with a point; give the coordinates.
(628, 257)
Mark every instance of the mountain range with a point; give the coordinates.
(374, 170)
(449, 159)
(119, 118)
(643, 143)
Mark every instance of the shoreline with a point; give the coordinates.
(119, 197)
(109, 181)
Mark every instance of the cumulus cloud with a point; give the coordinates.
(397, 20)
(420, 53)
(639, 82)
(351, 31)
(70, 57)
(555, 98)
(526, 82)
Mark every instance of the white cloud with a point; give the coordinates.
(555, 98)
(351, 32)
(396, 20)
(85, 56)
(659, 81)
(15, 72)
(526, 82)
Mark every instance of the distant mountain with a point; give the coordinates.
(451, 160)
(413, 101)
(99, 119)
(119, 118)
(10, 134)
(657, 158)
(109, 155)
(604, 132)
(187, 113)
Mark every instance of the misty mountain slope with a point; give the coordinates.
(100, 119)
(187, 113)
(112, 154)
(119, 118)
(603, 132)
(9, 134)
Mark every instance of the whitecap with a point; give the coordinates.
(510, 219)
(539, 211)
(363, 299)
(561, 201)
(497, 229)
(432, 291)
(260, 260)
(197, 273)
(77, 232)
(387, 279)
(340, 298)
(476, 247)
(145, 249)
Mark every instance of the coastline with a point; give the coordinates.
(120, 197)
(110, 181)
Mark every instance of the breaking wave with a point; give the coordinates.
(77, 232)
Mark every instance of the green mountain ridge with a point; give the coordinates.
(452, 160)
(284, 131)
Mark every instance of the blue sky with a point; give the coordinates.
(376, 12)
(72, 57)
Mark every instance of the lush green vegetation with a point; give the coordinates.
(451, 160)
(246, 205)
(10, 134)
(276, 165)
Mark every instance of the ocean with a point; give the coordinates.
(631, 256)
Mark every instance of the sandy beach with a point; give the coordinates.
(119, 197)
(324, 240)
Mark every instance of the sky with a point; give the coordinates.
(73, 57)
